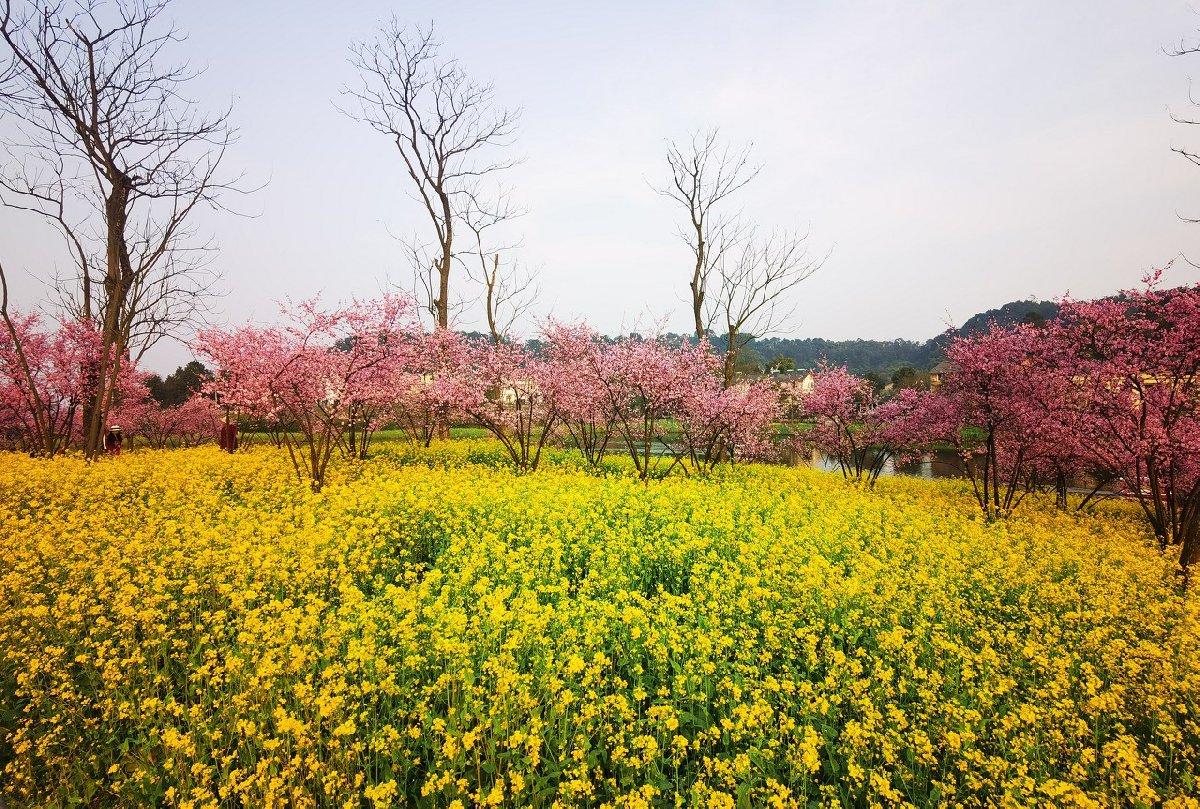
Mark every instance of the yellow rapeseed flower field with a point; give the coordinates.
(194, 629)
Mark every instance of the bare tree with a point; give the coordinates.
(704, 174)
(8, 72)
(172, 283)
(425, 283)
(752, 300)
(445, 127)
(113, 154)
(739, 280)
(509, 292)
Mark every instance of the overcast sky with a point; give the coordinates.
(953, 156)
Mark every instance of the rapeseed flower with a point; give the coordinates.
(194, 628)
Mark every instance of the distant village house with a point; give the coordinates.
(939, 373)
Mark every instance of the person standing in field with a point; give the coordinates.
(228, 440)
(113, 440)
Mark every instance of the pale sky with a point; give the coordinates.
(954, 156)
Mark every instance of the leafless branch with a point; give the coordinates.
(704, 174)
(509, 291)
(1186, 48)
(753, 298)
(445, 126)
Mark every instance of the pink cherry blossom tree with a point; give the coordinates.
(189, 424)
(514, 394)
(838, 406)
(311, 372)
(131, 401)
(647, 382)
(911, 422)
(863, 434)
(1133, 362)
(578, 363)
(995, 416)
(432, 389)
(379, 343)
(44, 380)
(1061, 422)
(728, 424)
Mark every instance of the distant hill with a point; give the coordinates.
(885, 356)
(1011, 314)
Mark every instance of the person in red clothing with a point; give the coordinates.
(113, 440)
(229, 436)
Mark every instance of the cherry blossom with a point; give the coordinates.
(318, 374)
(45, 382)
(1132, 365)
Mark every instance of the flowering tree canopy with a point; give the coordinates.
(1131, 367)
(647, 382)
(726, 423)
(578, 357)
(46, 376)
(320, 372)
(514, 395)
(186, 425)
(996, 418)
(851, 425)
(431, 389)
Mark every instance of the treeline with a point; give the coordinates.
(886, 356)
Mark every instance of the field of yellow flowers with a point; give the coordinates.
(196, 629)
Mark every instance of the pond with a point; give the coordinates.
(944, 463)
(931, 465)
(938, 463)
